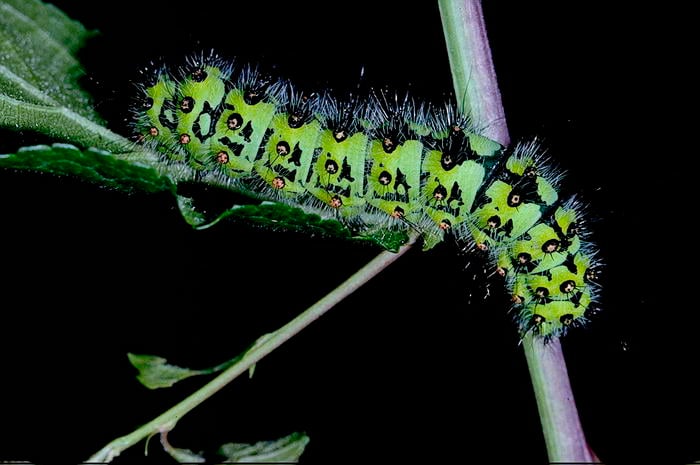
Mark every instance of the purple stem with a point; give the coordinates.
(477, 91)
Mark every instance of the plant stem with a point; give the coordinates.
(476, 86)
(262, 347)
(473, 73)
(555, 402)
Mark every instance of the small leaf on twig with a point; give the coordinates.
(285, 450)
(155, 372)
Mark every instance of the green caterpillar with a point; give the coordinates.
(377, 163)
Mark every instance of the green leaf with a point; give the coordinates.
(38, 54)
(285, 450)
(281, 217)
(63, 30)
(92, 165)
(155, 372)
(39, 75)
(269, 215)
(190, 214)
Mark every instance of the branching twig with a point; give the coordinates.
(264, 345)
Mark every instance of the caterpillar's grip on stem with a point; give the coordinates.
(470, 54)
(475, 84)
(379, 162)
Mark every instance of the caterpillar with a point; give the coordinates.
(379, 162)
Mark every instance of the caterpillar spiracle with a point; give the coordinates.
(387, 161)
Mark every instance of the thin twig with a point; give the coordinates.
(263, 346)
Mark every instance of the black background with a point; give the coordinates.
(404, 369)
